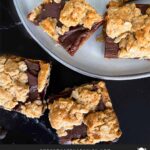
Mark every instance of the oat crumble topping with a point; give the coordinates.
(130, 29)
(78, 12)
(81, 107)
(14, 85)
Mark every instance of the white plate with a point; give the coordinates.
(89, 60)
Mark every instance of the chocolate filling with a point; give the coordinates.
(101, 106)
(63, 94)
(32, 72)
(50, 10)
(78, 132)
(72, 39)
(111, 48)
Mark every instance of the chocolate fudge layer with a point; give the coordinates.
(23, 83)
(69, 22)
(84, 115)
(127, 31)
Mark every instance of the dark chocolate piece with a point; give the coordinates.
(62, 94)
(33, 67)
(78, 132)
(143, 7)
(32, 72)
(111, 48)
(101, 106)
(74, 38)
(50, 10)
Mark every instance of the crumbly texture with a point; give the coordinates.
(102, 126)
(43, 76)
(78, 12)
(13, 82)
(65, 113)
(74, 13)
(14, 85)
(81, 107)
(130, 29)
(49, 25)
(33, 109)
(84, 95)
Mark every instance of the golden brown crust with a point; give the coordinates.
(102, 126)
(78, 12)
(65, 113)
(82, 107)
(49, 25)
(13, 82)
(130, 29)
(33, 109)
(43, 77)
(14, 85)
(33, 15)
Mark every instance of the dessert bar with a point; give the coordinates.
(69, 22)
(23, 84)
(127, 31)
(84, 115)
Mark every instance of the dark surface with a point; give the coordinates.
(131, 99)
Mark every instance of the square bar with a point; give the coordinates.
(84, 115)
(23, 85)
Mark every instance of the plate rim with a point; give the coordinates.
(81, 71)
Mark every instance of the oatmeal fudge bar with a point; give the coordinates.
(84, 115)
(23, 84)
(127, 31)
(69, 22)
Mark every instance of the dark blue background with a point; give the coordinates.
(131, 99)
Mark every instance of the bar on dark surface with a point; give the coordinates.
(74, 115)
(23, 85)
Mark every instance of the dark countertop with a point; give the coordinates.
(131, 99)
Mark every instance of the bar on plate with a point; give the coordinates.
(127, 31)
(68, 22)
(23, 85)
(84, 115)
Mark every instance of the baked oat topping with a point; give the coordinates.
(64, 114)
(81, 107)
(78, 12)
(15, 85)
(49, 25)
(84, 95)
(33, 15)
(119, 19)
(101, 126)
(33, 109)
(43, 75)
(130, 29)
